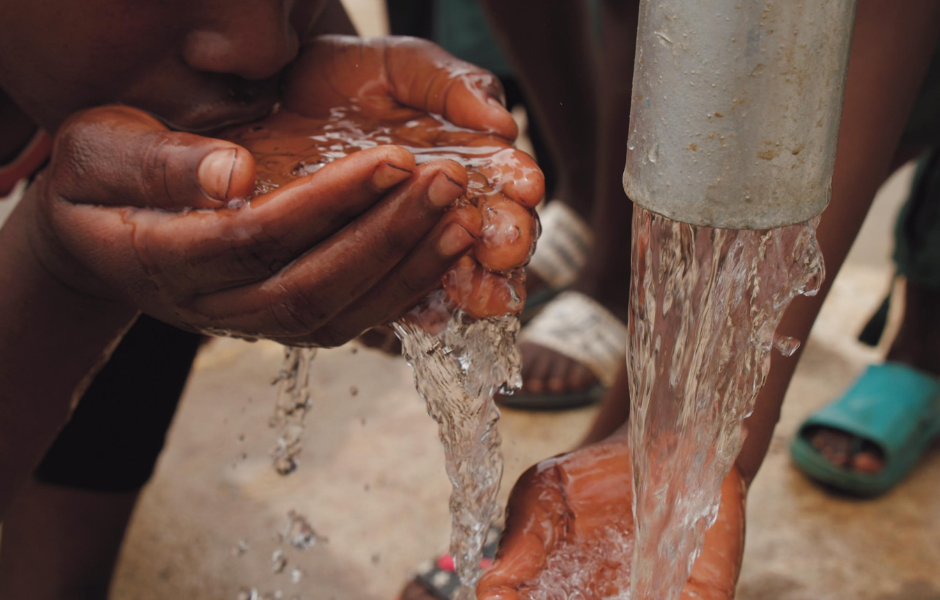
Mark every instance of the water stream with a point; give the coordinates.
(461, 360)
(704, 307)
(460, 363)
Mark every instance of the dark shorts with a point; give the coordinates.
(917, 234)
(116, 433)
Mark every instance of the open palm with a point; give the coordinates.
(570, 525)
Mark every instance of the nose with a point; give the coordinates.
(254, 41)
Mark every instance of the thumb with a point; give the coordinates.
(117, 155)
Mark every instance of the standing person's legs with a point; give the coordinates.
(63, 533)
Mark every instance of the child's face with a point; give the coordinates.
(197, 64)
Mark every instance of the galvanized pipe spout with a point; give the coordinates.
(736, 108)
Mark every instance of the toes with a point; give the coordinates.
(869, 460)
(535, 367)
(547, 370)
(834, 446)
(580, 377)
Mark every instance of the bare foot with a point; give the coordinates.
(544, 370)
(845, 450)
(573, 514)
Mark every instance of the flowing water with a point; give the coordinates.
(704, 307)
(291, 407)
(460, 363)
(460, 359)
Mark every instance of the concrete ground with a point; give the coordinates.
(372, 484)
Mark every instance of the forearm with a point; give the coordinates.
(52, 340)
(891, 50)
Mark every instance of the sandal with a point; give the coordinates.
(580, 328)
(891, 406)
(562, 251)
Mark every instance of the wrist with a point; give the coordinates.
(39, 273)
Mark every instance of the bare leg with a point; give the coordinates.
(891, 50)
(61, 543)
(551, 50)
(606, 277)
(918, 345)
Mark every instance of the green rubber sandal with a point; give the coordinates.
(893, 406)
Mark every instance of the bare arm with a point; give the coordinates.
(52, 340)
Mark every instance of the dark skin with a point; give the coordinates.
(581, 90)
(99, 236)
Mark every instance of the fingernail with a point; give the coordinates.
(215, 172)
(444, 190)
(454, 240)
(387, 175)
(500, 102)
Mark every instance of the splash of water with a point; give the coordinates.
(704, 306)
(460, 364)
(576, 567)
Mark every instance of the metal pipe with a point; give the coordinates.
(736, 108)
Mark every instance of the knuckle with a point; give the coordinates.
(260, 256)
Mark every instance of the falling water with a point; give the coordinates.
(291, 407)
(460, 364)
(704, 306)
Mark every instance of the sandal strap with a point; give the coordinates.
(580, 328)
(563, 248)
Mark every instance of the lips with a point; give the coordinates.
(206, 118)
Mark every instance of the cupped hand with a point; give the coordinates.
(570, 523)
(345, 94)
(132, 212)
(395, 79)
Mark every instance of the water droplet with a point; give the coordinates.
(239, 548)
(248, 594)
(786, 345)
(299, 533)
(278, 561)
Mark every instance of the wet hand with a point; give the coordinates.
(130, 211)
(573, 513)
(395, 79)
(345, 93)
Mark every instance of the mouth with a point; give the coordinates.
(212, 117)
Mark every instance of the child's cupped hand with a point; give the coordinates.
(130, 211)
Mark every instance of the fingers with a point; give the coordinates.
(396, 76)
(234, 247)
(422, 75)
(482, 293)
(715, 572)
(516, 175)
(309, 292)
(507, 235)
(117, 155)
(536, 511)
(406, 285)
